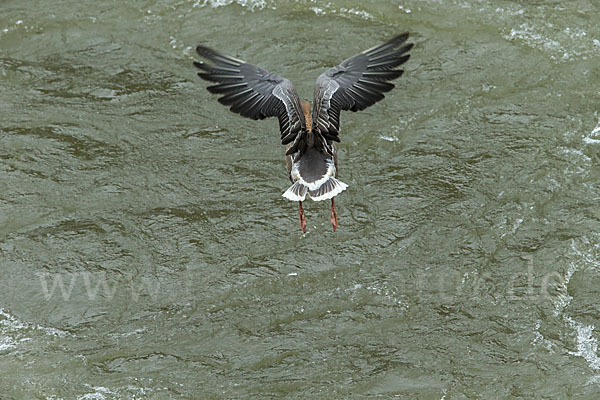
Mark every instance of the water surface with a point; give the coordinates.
(146, 251)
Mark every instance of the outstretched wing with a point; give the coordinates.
(252, 91)
(357, 83)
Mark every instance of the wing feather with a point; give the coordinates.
(357, 83)
(252, 92)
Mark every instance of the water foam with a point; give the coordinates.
(587, 345)
(594, 136)
(13, 330)
(98, 393)
(249, 4)
(533, 38)
(566, 44)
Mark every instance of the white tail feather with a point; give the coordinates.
(330, 188)
(296, 192)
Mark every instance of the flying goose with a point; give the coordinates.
(311, 156)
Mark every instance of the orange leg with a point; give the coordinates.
(301, 217)
(334, 217)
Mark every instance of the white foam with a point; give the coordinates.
(591, 138)
(318, 10)
(516, 225)
(534, 39)
(577, 153)
(540, 339)
(564, 299)
(12, 330)
(131, 333)
(354, 11)
(249, 4)
(596, 130)
(591, 141)
(382, 289)
(102, 393)
(7, 343)
(98, 393)
(587, 345)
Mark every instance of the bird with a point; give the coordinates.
(309, 135)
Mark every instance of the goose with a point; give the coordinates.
(309, 136)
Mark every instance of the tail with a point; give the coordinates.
(330, 188)
(296, 192)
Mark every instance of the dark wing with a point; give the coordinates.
(357, 83)
(253, 92)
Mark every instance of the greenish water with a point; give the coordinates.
(146, 251)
